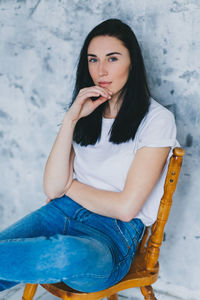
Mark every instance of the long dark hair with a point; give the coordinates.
(135, 92)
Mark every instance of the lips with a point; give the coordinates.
(104, 83)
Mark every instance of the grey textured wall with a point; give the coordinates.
(39, 44)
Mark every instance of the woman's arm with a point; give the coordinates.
(143, 174)
(59, 166)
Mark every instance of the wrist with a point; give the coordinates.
(68, 118)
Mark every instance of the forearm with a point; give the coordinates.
(57, 169)
(142, 177)
(106, 203)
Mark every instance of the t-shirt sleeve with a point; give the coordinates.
(159, 130)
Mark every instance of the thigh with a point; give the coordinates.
(124, 235)
(45, 221)
(54, 259)
(106, 256)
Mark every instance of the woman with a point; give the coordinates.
(104, 176)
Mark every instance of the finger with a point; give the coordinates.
(95, 90)
(105, 90)
(87, 95)
(102, 91)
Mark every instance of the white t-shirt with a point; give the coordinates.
(105, 165)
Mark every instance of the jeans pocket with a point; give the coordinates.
(82, 214)
(123, 234)
(136, 228)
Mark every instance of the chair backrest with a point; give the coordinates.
(152, 248)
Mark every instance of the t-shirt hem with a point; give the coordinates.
(160, 143)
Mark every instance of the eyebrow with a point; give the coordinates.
(109, 54)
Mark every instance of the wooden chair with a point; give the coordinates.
(145, 266)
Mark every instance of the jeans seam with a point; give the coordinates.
(135, 228)
(85, 275)
(141, 234)
(117, 266)
(85, 216)
(78, 212)
(66, 226)
(119, 230)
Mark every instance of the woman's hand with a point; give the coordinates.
(83, 105)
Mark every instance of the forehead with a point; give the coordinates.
(106, 44)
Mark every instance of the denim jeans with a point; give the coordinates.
(62, 241)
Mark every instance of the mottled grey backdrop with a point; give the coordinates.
(39, 44)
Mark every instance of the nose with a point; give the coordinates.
(102, 69)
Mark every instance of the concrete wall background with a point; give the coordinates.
(40, 41)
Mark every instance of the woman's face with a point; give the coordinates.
(108, 62)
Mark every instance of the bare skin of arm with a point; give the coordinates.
(59, 167)
(143, 174)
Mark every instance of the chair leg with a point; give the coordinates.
(29, 291)
(113, 297)
(147, 292)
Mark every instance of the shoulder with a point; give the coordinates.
(157, 115)
(158, 127)
(158, 110)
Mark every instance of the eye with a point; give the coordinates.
(112, 59)
(92, 60)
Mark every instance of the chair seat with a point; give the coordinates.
(137, 276)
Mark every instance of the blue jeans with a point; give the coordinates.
(62, 241)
